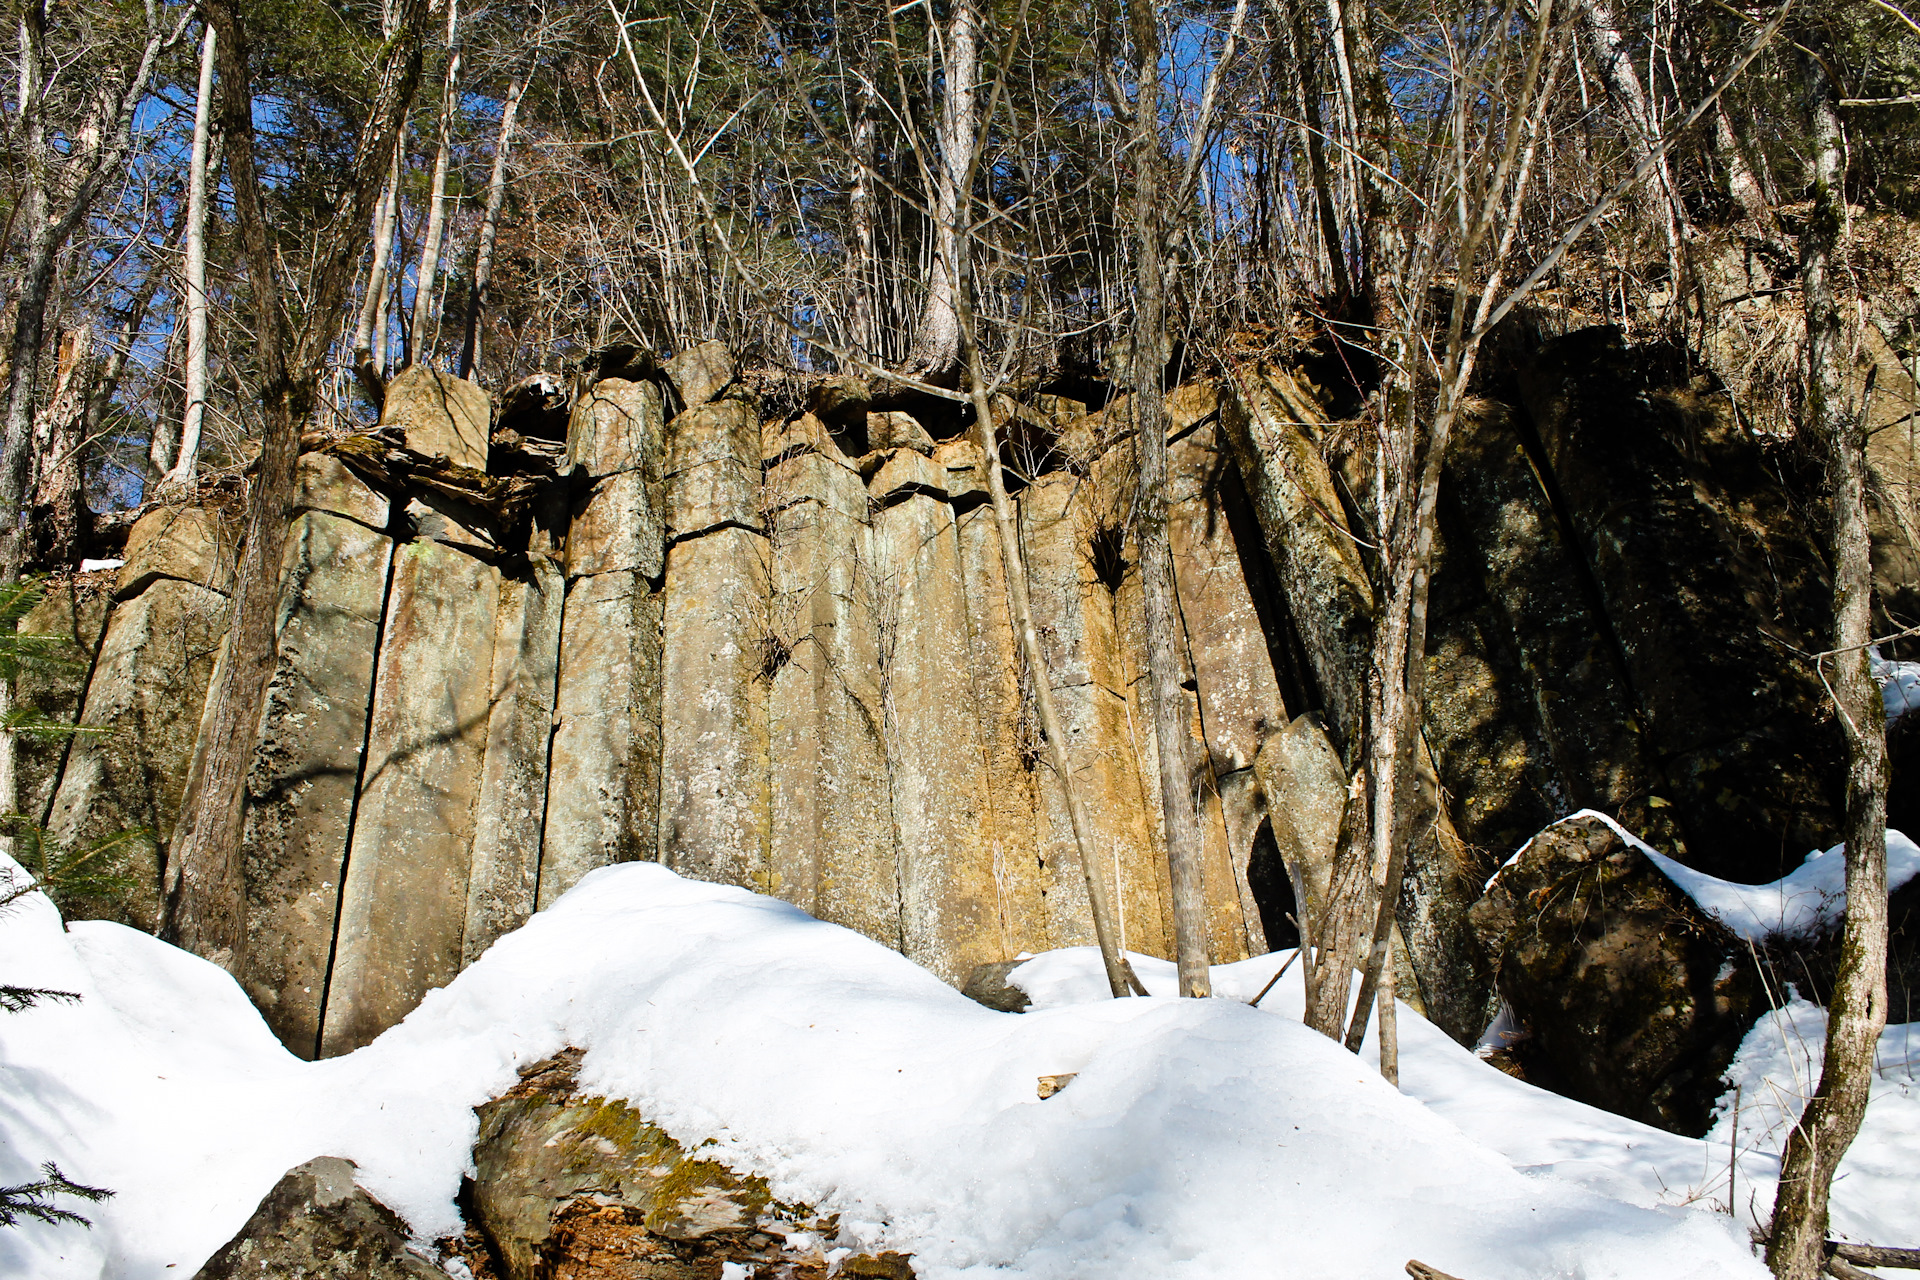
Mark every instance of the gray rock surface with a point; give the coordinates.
(606, 736)
(305, 771)
(403, 908)
(317, 1225)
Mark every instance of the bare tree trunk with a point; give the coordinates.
(490, 226)
(423, 283)
(44, 235)
(59, 436)
(860, 200)
(35, 285)
(1121, 979)
(370, 336)
(1796, 1249)
(1166, 700)
(1614, 65)
(182, 472)
(206, 897)
(935, 356)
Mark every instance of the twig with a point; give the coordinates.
(1255, 1002)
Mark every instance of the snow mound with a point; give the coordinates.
(1199, 1138)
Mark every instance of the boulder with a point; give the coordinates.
(70, 618)
(988, 985)
(700, 374)
(832, 834)
(440, 415)
(606, 736)
(567, 1185)
(184, 543)
(895, 430)
(324, 484)
(713, 468)
(1635, 997)
(403, 904)
(317, 1225)
(841, 401)
(144, 703)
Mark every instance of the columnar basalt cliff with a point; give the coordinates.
(774, 651)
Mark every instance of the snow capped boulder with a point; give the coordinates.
(567, 1184)
(1636, 997)
(317, 1224)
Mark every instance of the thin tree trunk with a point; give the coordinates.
(1121, 979)
(1166, 700)
(35, 285)
(428, 275)
(206, 896)
(935, 355)
(1796, 1249)
(182, 472)
(860, 201)
(490, 227)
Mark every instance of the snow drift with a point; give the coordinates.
(1198, 1138)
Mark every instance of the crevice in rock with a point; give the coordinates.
(59, 773)
(689, 535)
(1292, 671)
(395, 528)
(553, 731)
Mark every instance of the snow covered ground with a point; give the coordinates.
(1200, 1138)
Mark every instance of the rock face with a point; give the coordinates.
(143, 701)
(1636, 998)
(316, 1224)
(571, 1186)
(777, 654)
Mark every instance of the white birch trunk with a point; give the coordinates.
(182, 471)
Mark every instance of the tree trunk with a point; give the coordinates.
(490, 226)
(181, 474)
(1614, 64)
(59, 438)
(44, 235)
(35, 284)
(1166, 700)
(206, 899)
(860, 213)
(1857, 1011)
(424, 318)
(370, 336)
(935, 356)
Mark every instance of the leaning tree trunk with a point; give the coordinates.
(1166, 700)
(182, 472)
(490, 226)
(1857, 1011)
(206, 900)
